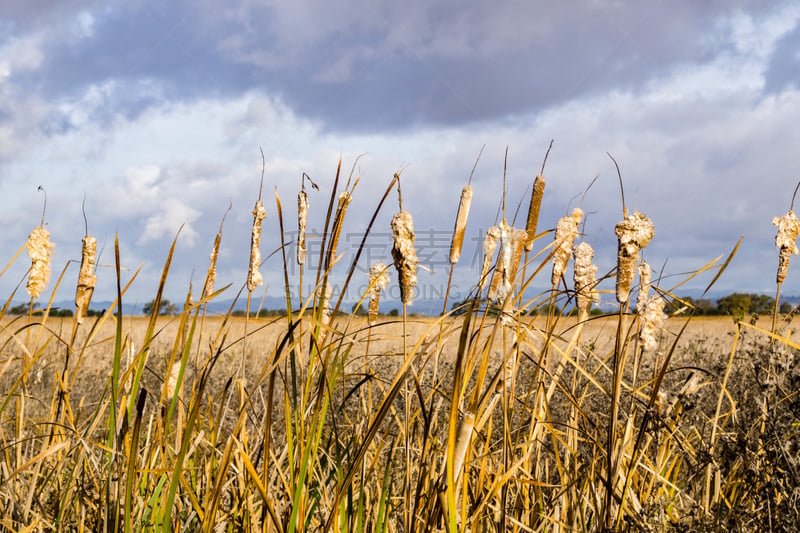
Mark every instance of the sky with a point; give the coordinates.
(156, 112)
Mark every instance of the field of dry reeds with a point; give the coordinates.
(514, 411)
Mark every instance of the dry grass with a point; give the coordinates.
(488, 420)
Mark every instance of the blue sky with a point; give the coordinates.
(156, 111)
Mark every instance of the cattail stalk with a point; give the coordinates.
(503, 262)
(404, 254)
(338, 221)
(86, 277)
(378, 281)
(533, 211)
(633, 234)
(302, 214)
(40, 250)
(566, 232)
(461, 224)
(584, 278)
(489, 246)
(254, 278)
(785, 240)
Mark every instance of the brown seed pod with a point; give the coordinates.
(785, 240)
(302, 214)
(86, 277)
(461, 224)
(584, 277)
(211, 277)
(254, 278)
(338, 221)
(378, 281)
(566, 231)
(404, 254)
(533, 211)
(40, 250)
(633, 234)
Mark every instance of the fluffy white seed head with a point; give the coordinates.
(499, 283)
(489, 246)
(651, 319)
(633, 234)
(404, 254)
(40, 250)
(254, 278)
(566, 232)
(378, 281)
(785, 240)
(302, 214)
(584, 277)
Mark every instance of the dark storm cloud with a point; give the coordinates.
(784, 66)
(362, 66)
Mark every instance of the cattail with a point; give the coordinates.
(404, 254)
(325, 302)
(40, 250)
(172, 381)
(338, 221)
(489, 246)
(461, 224)
(211, 277)
(378, 281)
(518, 241)
(502, 264)
(86, 277)
(633, 234)
(254, 278)
(533, 211)
(788, 229)
(463, 436)
(302, 214)
(651, 318)
(584, 277)
(645, 275)
(566, 231)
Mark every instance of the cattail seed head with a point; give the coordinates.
(633, 234)
(254, 278)
(302, 214)
(502, 264)
(651, 318)
(338, 221)
(171, 384)
(463, 436)
(788, 229)
(461, 224)
(404, 254)
(489, 246)
(566, 231)
(86, 277)
(211, 277)
(40, 250)
(584, 277)
(325, 302)
(645, 274)
(533, 211)
(378, 281)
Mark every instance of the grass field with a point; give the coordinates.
(488, 420)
